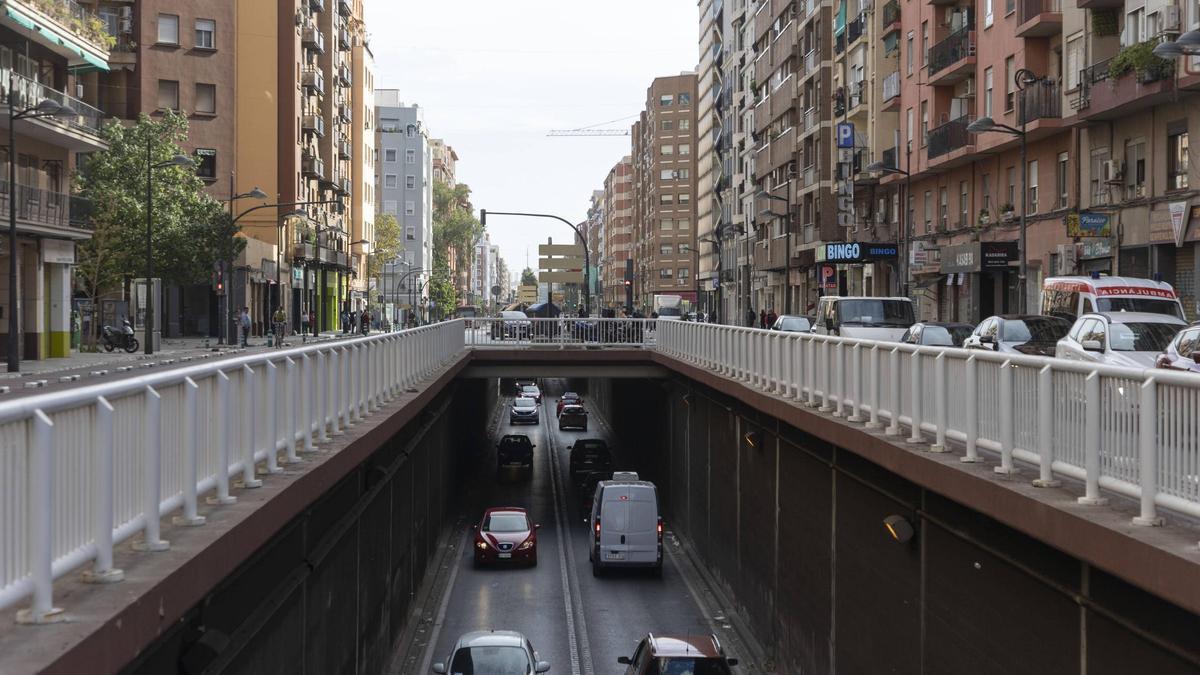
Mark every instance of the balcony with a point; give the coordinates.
(65, 27)
(314, 80)
(346, 150)
(952, 59)
(80, 132)
(812, 60)
(314, 39)
(1039, 101)
(888, 157)
(1040, 18)
(345, 112)
(344, 8)
(891, 18)
(347, 187)
(1103, 96)
(344, 39)
(854, 29)
(783, 98)
(345, 75)
(1099, 4)
(950, 137)
(782, 149)
(38, 209)
(772, 253)
(313, 167)
(316, 5)
(314, 124)
(891, 92)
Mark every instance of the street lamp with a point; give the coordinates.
(225, 316)
(179, 161)
(587, 259)
(880, 167)
(787, 280)
(45, 108)
(1187, 44)
(984, 125)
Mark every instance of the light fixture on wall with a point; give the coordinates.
(752, 438)
(898, 528)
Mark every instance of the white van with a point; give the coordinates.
(627, 530)
(1072, 297)
(885, 319)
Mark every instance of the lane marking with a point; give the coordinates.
(443, 606)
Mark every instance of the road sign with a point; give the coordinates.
(572, 250)
(845, 135)
(575, 277)
(567, 264)
(528, 293)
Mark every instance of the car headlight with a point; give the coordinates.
(526, 545)
(481, 545)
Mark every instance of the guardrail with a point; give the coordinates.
(84, 469)
(560, 332)
(1133, 432)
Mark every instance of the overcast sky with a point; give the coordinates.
(494, 77)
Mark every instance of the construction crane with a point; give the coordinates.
(588, 132)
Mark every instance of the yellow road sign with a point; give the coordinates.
(560, 277)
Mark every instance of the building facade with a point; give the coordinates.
(404, 172)
(445, 161)
(618, 232)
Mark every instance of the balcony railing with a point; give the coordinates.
(891, 13)
(43, 207)
(854, 29)
(891, 86)
(314, 123)
(30, 93)
(1031, 9)
(314, 38)
(1040, 100)
(949, 137)
(314, 79)
(956, 47)
(73, 16)
(889, 157)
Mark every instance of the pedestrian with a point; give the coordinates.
(771, 317)
(712, 317)
(312, 321)
(303, 323)
(762, 318)
(750, 318)
(366, 322)
(244, 323)
(345, 322)
(278, 322)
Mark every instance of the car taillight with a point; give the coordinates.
(597, 529)
(660, 530)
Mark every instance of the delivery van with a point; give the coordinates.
(626, 528)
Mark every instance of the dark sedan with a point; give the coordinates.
(514, 450)
(573, 417)
(588, 455)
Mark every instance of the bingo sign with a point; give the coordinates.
(845, 184)
(829, 279)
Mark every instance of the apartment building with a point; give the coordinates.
(737, 239)
(710, 80)
(664, 185)
(403, 183)
(618, 232)
(593, 229)
(361, 155)
(444, 162)
(48, 56)
(483, 273)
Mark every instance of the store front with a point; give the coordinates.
(855, 268)
(979, 280)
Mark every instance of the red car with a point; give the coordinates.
(505, 535)
(569, 398)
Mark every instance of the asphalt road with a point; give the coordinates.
(577, 622)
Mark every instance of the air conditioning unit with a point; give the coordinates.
(1169, 19)
(299, 18)
(1066, 259)
(126, 21)
(1112, 171)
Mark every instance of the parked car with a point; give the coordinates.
(531, 391)
(885, 319)
(573, 417)
(492, 651)
(671, 654)
(514, 450)
(1018, 333)
(626, 528)
(587, 490)
(511, 325)
(1183, 353)
(791, 323)
(588, 455)
(568, 398)
(1133, 339)
(937, 333)
(506, 535)
(524, 411)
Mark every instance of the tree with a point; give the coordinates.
(191, 230)
(528, 278)
(387, 244)
(455, 228)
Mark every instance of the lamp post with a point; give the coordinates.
(587, 259)
(223, 312)
(696, 258)
(986, 124)
(45, 108)
(787, 280)
(880, 167)
(181, 161)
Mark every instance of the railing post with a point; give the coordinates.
(293, 409)
(941, 401)
(250, 405)
(1045, 403)
(972, 399)
(876, 390)
(268, 399)
(355, 384)
(224, 438)
(1007, 431)
(102, 532)
(893, 428)
(191, 452)
(1147, 453)
(39, 533)
(371, 376)
(810, 368)
(856, 376)
(1091, 442)
(917, 395)
(321, 395)
(152, 473)
(308, 402)
(333, 391)
(839, 359)
(779, 369)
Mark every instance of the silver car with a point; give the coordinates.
(1131, 339)
(495, 652)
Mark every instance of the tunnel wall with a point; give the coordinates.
(331, 591)
(792, 528)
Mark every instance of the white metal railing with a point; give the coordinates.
(1133, 432)
(84, 469)
(560, 332)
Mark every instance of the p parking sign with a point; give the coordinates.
(845, 135)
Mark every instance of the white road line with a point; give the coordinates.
(441, 614)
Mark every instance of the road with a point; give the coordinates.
(577, 622)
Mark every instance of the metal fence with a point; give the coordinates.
(1134, 432)
(560, 332)
(84, 469)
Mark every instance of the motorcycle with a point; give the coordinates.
(123, 338)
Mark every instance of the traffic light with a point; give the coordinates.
(218, 278)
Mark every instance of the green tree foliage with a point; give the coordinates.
(387, 244)
(454, 227)
(528, 278)
(190, 231)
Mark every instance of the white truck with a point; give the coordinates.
(668, 307)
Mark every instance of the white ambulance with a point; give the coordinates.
(1070, 297)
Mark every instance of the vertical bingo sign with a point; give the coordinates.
(845, 182)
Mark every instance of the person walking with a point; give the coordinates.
(278, 324)
(366, 322)
(762, 318)
(312, 321)
(750, 315)
(303, 323)
(244, 324)
(345, 322)
(771, 317)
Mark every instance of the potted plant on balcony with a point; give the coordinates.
(1007, 213)
(984, 218)
(1139, 59)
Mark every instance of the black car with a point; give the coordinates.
(573, 417)
(588, 455)
(587, 490)
(514, 450)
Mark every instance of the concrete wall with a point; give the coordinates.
(330, 592)
(793, 528)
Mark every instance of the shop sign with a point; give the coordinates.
(1088, 224)
(58, 251)
(854, 252)
(997, 254)
(960, 258)
(1096, 248)
(1179, 221)
(829, 280)
(297, 274)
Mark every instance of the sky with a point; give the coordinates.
(494, 77)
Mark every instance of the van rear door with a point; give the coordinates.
(614, 519)
(641, 524)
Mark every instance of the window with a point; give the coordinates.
(168, 29)
(1010, 6)
(665, 273)
(206, 163)
(908, 53)
(389, 155)
(1011, 195)
(1135, 167)
(389, 206)
(924, 43)
(924, 122)
(1133, 27)
(928, 210)
(682, 174)
(666, 249)
(1177, 157)
(666, 224)
(206, 99)
(943, 208)
(987, 14)
(987, 192)
(1009, 94)
(412, 130)
(667, 174)
(666, 199)
(410, 233)
(685, 99)
(683, 273)
(1063, 178)
(410, 156)
(667, 125)
(390, 181)
(1099, 187)
(683, 223)
(410, 208)
(410, 182)
(168, 95)
(987, 91)
(963, 216)
(1032, 177)
(1074, 62)
(684, 198)
(684, 125)
(206, 30)
(685, 149)
(909, 125)
(666, 100)
(666, 150)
